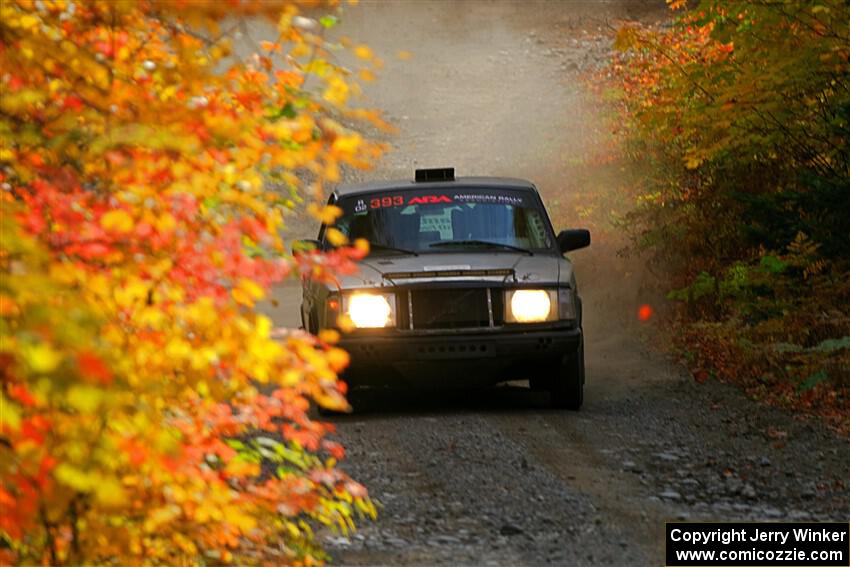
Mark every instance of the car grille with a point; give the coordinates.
(429, 309)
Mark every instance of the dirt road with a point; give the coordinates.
(494, 477)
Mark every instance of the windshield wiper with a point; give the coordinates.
(448, 243)
(378, 246)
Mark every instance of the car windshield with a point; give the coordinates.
(429, 221)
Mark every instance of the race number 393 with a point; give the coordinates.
(758, 544)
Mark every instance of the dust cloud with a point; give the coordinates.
(500, 88)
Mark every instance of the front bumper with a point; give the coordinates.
(472, 356)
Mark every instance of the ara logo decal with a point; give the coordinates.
(360, 206)
(429, 200)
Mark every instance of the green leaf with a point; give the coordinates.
(813, 381)
(328, 21)
(773, 264)
(267, 442)
(703, 285)
(288, 111)
(832, 345)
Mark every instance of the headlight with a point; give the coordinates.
(531, 306)
(539, 305)
(371, 310)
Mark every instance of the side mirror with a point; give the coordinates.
(307, 245)
(573, 239)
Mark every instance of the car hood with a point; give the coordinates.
(388, 270)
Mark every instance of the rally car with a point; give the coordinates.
(465, 284)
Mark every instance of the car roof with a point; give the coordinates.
(457, 183)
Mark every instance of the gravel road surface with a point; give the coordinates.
(495, 477)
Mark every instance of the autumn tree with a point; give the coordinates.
(149, 414)
(738, 115)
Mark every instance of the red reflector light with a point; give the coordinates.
(333, 304)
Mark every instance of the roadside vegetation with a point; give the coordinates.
(736, 117)
(148, 413)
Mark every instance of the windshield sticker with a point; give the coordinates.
(437, 223)
(500, 199)
(400, 200)
(429, 200)
(389, 201)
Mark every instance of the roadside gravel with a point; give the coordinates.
(494, 477)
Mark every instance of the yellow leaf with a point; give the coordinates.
(335, 237)
(345, 323)
(326, 215)
(243, 522)
(329, 336)
(109, 492)
(264, 326)
(9, 414)
(74, 478)
(404, 55)
(362, 245)
(299, 50)
(28, 21)
(202, 389)
(367, 75)
(363, 52)
(347, 144)
(337, 91)
(318, 67)
(337, 359)
(331, 171)
(178, 349)
(247, 292)
(293, 529)
(291, 378)
(242, 297)
(41, 357)
(165, 223)
(627, 38)
(84, 398)
(693, 162)
(238, 467)
(118, 221)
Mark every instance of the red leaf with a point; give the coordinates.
(92, 366)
